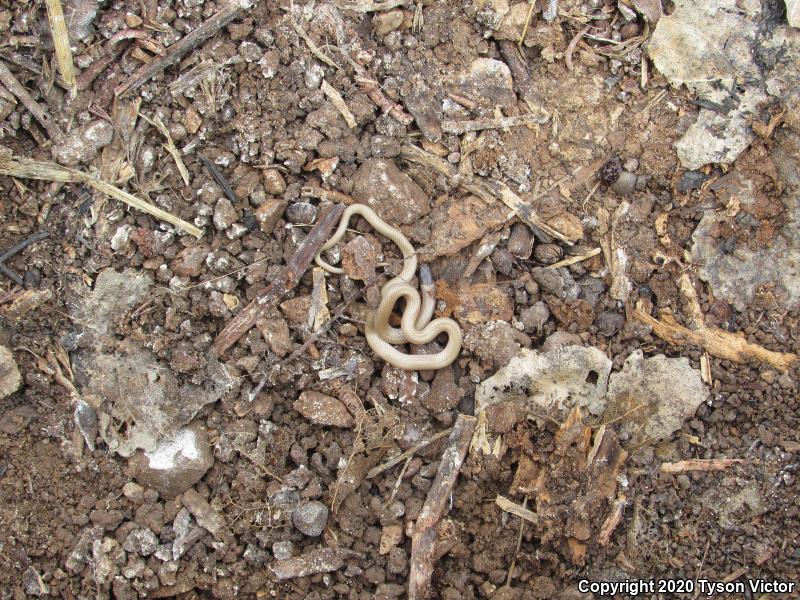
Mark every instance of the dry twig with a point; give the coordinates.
(575, 259)
(282, 283)
(516, 509)
(699, 464)
(407, 454)
(423, 540)
(58, 27)
(40, 114)
(18, 166)
(336, 98)
(187, 43)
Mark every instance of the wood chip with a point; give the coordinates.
(717, 342)
(321, 560)
(337, 100)
(516, 509)
(699, 464)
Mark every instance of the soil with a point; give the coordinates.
(67, 505)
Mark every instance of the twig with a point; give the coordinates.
(313, 47)
(58, 27)
(16, 249)
(187, 43)
(516, 509)
(282, 283)
(18, 166)
(40, 114)
(699, 464)
(612, 520)
(407, 454)
(459, 127)
(423, 540)
(519, 545)
(523, 82)
(575, 259)
(370, 5)
(375, 94)
(717, 342)
(333, 94)
(170, 147)
(334, 196)
(218, 177)
(571, 47)
(531, 5)
(396, 486)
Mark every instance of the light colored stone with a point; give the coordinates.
(310, 518)
(388, 21)
(10, 377)
(793, 12)
(84, 143)
(323, 410)
(207, 517)
(269, 213)
(392, 194)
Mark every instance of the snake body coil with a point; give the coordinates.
(416, 326)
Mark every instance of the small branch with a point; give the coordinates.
(40, 114)
(375, 94)
(58, 27)
(612, 520)
(187, 43)
(334, 196)
(699, 464)
(364, 6)
(313, 47)
(574, 259)
(282, 284)
(423, 540)
(459, 127)
(407, 454)
(336, 98)
(516, 509)
(16, 249)
(18, 166)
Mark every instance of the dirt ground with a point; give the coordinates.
(113, 322)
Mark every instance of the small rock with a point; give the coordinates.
(691, 180)
(207, 517)
(490, 80)
(494, 342)
(560, 339)
(310, 518)
(443, 394)
(141, 541)
(269, 213)
(10, 377)
(17, 419)
(186, 533)
(785, 381)
(520, 244)
(189, 261)
(34, 584)
(79, 16)
(392, 194)
(192, 121)
(177, 463)
(625, 184)
(224, 214)
(629, 30)
(391, 536)
(282, 550)
(301, 213)
(133, 492)
(609, 322)
(273, 182)
(107, 519)
(320, 560)
(547, 254)
(275, 331)
(83, 144)
(534, 317)
(769, 376)
(296, 309)
(387, 21)
(323, 410)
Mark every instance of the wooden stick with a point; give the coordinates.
(40, 114)
(282, 284)
(18, 166)
(187, 43)
(407, 454)
(423, 540)
(58, 27)
(516, 509)
(699, 464)
(574, 259)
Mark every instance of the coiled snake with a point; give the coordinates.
(416, 326)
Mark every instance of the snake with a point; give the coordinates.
(416, 326)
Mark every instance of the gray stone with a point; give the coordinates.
(388, 21)
(141, 541)
(609, 322)
(83, 144)
(283, 550)
(10, 377)
(520, 243)
(534, 317)
(177, 462)
(301, 213)
(224, 214)
(186, 533)
(392, 194)
(560, 339)
(310, 518)
(625, 184)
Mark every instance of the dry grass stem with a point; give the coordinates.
(170, 147)
(699, 464)
(58, 27)
(26, 168)
(335, 97)
(575, 259)
(459, 127)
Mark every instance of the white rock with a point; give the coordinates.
(10, 378)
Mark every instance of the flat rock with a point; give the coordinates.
(177, 462)
(321, 560)
(392, 194)
(83, 144)
(793, 12)
(10, 377)
(321, 409)
(551, 382)
(207, 517)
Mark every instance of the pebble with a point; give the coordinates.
(107, 519)
(82, 145)
(177, 463)
(310, 518)
(388, 21)
(301, 213)
(224, 214)
(205, 515)
(283, 550)
(10, 377)
(691, 180)
(559, 339)
(189, 261)
(534, 318)
(609, 322)
(133, 492)
(273, 182)
(520, 243)
(268, 214)
(625, 184)
(321, 409)
(785, 381)
(141, 541)
(392, 194)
